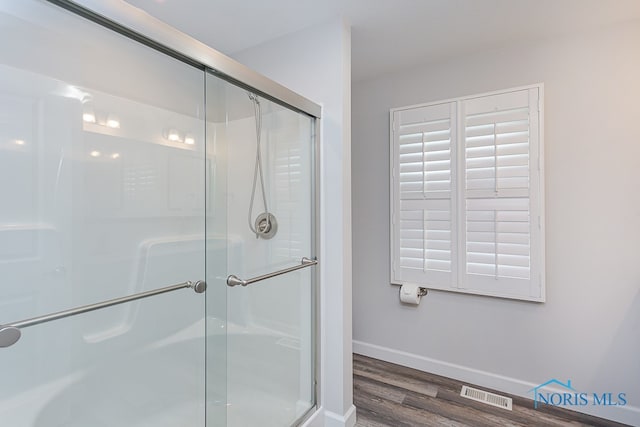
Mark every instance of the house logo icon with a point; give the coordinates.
(557, 393)
(537, 394)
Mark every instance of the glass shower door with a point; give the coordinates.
(268, 152)
(102, 190)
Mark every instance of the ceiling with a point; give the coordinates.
(390, 34)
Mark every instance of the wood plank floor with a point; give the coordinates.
(391, 395)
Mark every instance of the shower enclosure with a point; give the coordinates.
(157, 229)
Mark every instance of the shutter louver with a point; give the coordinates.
(497, 150)
(498, 237)
(425, 235)
(425, 158)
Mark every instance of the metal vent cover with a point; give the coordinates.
(486, 397)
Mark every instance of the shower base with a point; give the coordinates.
(162, 384)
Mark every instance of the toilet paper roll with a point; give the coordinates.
(410, 294)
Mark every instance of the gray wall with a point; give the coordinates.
(588, 330)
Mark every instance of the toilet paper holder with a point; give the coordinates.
(422, 290)
(411, 294)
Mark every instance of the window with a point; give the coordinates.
(467, 194)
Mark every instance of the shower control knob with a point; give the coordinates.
(266, 225)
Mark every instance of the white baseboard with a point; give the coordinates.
(625, 414)
(332, 419)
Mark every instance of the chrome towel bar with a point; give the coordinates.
(234, 280)
(10, 333)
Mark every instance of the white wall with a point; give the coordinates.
(316, 63)
(587, 331)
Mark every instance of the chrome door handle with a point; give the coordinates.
(234, 280)
(10, 333)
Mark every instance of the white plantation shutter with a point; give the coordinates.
(499, 152)
(467, 195)
(424, 251)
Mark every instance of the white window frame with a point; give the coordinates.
(531, 289)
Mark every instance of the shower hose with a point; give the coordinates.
(257, 172)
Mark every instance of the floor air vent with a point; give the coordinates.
(486, 397)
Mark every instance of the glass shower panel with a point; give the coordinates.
(269, 201)
(102, 183)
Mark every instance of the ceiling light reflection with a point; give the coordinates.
(173, 135)
(113, 122)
